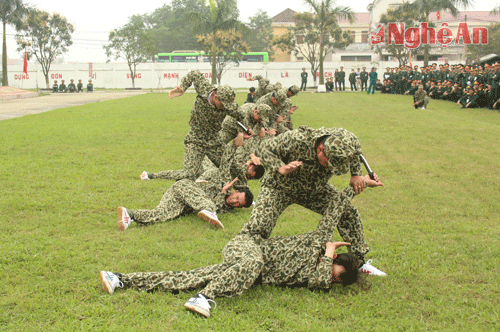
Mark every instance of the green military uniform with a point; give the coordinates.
(206, 120)
(71, 87)
(80, 86)
(90, 86)
(303, 78)
(352, 81)
(55, 87)
(364, 79)
(341, 79)
(62, 87)
(296, 260)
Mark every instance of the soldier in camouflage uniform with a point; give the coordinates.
(306, 260)
(262, 88)
(256, 117)
(209, 110)
(186, 196)
(280, 105)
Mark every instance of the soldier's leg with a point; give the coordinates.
(193, 158)
(171, 280)
(170, 207)
(192, 195)
(214, 152)
(245, 264)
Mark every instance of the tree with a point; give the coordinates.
(325, 20)
(134, 42)
(223, 16)
(229, 46)
(496, 10)
(306, 40)
(166, 20)
(45, 36)
(260, 33)
(493, 46)
(11, 12)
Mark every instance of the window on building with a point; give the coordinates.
(364, 36)
(353, 36)
(363, 58)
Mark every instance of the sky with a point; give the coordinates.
(94, 19)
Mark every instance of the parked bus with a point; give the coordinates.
(201, 57)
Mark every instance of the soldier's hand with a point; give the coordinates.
(176, 92)
(239, 140)
(293, 109)
(256, 160)
(289, 168)
(373, 183)
(272, 132)
(251, 79)
(280, 118)
(228, 185)
(246, 136)
(358, 183)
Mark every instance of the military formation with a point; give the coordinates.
(228, 145)
(71, 87)
(467, 86)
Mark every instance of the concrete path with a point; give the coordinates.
(13, 108)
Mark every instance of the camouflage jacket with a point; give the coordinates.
(230, 129)
(261, 89)
(206, 119)
(419, 96)
(300, 144)
(299, 259)
(280, 109)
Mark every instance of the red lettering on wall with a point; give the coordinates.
(136, 75)
(170, 75)
(21, 76)
(245, 75)
(56, 76)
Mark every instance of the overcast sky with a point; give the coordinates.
(94, 19)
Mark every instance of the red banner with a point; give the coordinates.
(25, 67)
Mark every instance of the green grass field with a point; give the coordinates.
(434, 227)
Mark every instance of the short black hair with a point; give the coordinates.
(351, 273)
(259, 171)
(248, 197)
(252, 89)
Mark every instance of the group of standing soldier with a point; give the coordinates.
(221, 155)
(71, 87)
(467, 86)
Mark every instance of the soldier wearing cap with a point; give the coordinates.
(62, 87)
(79, 86)
(55, 87)
(90, 86)
(72, 86)
(420, 98)
(364, 78)
(303, 78)
(495, 86)
(209, 110)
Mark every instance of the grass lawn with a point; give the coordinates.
(434, 227)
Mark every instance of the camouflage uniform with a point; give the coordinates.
(286, 260)
(261, 89)
(230, 129)
(206, 119)
(185, 196)
(284, 104)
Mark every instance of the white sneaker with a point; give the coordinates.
(123, 218)
(109, 281)
(253, 203)
(368, 268)
(211, 218)
(144, 176)
(200, 305)
(423, 108)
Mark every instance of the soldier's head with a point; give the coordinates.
(304, 69)
(223, 98)
(420, 87)
(254, 172)
(239, 199)
(262, 112)
(336, 151)
(278, 97)
(55, 81)
(293, 91)
(345, 269)
(364, 68)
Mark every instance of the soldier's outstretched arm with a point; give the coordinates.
(176, 92)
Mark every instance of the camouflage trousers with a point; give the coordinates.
(272, 202)
(239, 270)
(185, 196)
(194, 152)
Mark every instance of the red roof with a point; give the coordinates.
(472, 16)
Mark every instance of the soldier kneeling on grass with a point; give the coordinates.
(420, 98)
